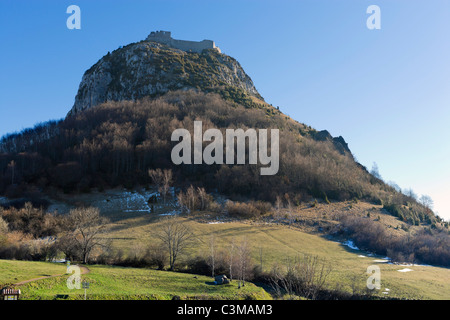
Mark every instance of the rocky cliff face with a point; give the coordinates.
(150, 69)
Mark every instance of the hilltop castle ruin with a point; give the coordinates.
(165, 37)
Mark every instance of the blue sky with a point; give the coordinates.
(385, 91)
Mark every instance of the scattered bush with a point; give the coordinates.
(116, 143)
(242, 209)
(429, 247)
(306, 277)
(33, 221)
(196, 199)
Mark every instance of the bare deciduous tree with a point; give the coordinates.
(3, 226)
(230, 256)
(12, 167)
(261, 258)
(191, 198)
(278, 206)
(243, 260)
(375, 172)
(203, 197)
(176, 238)
(194, 199)
(290, 211)
(410, 193)
(181, 198)
(163, 181)
(427, 202)
(157, 255)
(212, 254)
(87, 228)
(394, 185)
(304, 276)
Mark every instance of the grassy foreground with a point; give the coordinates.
(133, 232)
(117, 283)
(12, 271)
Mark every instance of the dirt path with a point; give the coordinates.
(84, 270)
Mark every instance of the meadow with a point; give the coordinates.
(276, 243)
(119, 283)
(133, 230)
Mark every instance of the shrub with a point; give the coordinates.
(262, 206)
(3, 226)
(241, 209)
(305, 276)
(196, 199)
(157, 256)
(426, 246)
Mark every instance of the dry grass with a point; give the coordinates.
(280, 241)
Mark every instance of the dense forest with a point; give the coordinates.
(116, 143)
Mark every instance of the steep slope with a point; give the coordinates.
(149, 69)
(132, 99)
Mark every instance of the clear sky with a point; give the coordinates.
(385, 91)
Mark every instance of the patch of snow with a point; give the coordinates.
(351, 245)
(406, 264)
(133, 201)
(405, 270)
(380, 261)
(362, 256)
(171, 213)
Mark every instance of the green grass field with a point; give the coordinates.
(279, 243)
(12, 271)
(118, 283)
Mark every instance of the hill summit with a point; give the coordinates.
(160, 64)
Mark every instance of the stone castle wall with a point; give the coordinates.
(165, 37)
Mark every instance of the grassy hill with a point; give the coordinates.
(118, 283)
(132, 231)
(280, 243)
(273, 238)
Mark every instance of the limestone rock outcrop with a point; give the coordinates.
(150, 68)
